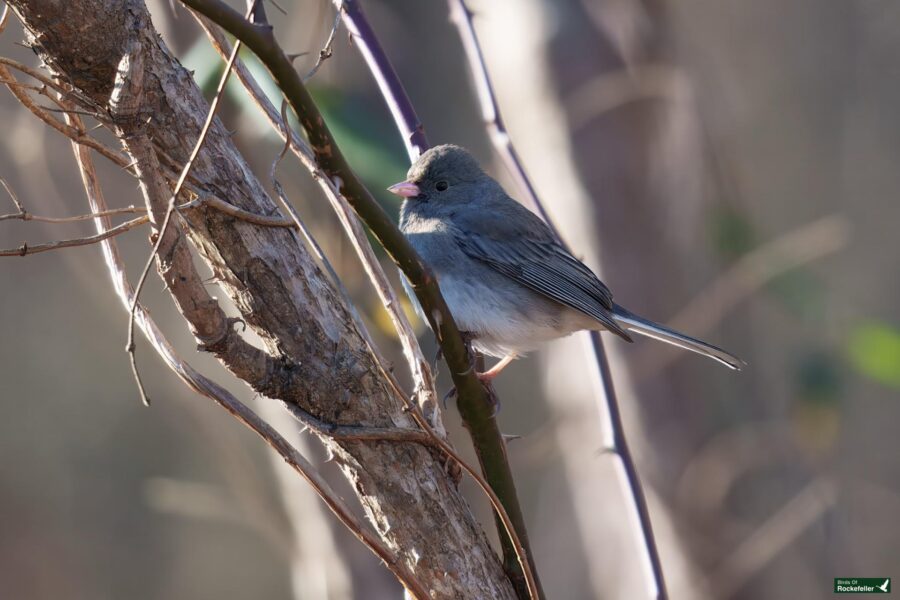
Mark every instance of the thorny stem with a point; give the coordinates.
(481, 424)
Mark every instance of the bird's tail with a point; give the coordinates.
(631, 321)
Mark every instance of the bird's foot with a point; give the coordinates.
(448, 396)
(488, 376)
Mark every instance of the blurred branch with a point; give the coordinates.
(612, 90)
(478, 418)
(772, 537)
(197, 500)
(461, 16)
(4, 18)
(751, 272)
(223, 398)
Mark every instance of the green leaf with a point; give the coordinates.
(874, 350)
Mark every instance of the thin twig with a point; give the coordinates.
(328, 49)
(13, 196)
(223, 398)
(462, 18)
(27, 216)
(11, 83)
(79, 136)
(161, 230)
(25, 249)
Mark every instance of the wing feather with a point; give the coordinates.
(532, 257)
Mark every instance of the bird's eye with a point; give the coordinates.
(441, 185)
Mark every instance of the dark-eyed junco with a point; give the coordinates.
(509, 284)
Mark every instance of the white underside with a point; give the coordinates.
(500, 329)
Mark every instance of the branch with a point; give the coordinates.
(393, 92)
(25, 249)
(462, 18)
(328, 49)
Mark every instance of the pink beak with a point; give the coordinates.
(405, 189)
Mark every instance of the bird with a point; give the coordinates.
(508, 281)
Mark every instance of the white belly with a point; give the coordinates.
(500, 326)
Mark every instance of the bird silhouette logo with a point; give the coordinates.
(885, 587)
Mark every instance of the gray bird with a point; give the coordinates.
(508, 282)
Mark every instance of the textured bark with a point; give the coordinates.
(312, 354)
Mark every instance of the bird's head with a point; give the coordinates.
(444, 174)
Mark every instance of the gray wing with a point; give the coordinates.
(516, 243)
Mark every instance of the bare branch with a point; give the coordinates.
(25, 249)
(129, 83)
(411, 128)
(11, 83)
(327, 50)
(23, 215)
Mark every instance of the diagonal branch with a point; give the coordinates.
(486, 437)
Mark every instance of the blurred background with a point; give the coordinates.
(728, 167)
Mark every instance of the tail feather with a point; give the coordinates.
(632, 322)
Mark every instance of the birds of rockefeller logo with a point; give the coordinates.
(862, 585)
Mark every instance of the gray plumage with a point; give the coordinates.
(505, 278)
